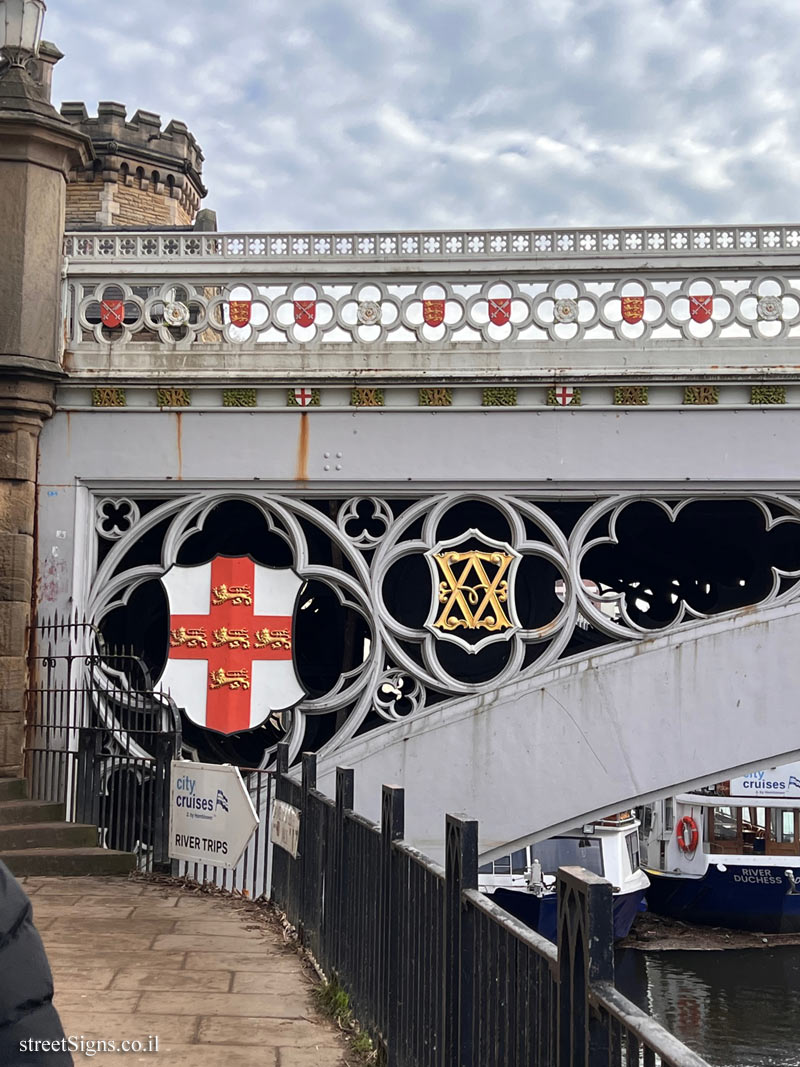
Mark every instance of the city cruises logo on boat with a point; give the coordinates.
(473, 602)
(781, 781)
(231, 636)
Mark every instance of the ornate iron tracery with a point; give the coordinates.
(585, 573)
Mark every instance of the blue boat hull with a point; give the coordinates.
(541, 913)
(742, 898)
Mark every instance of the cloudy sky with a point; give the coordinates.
(365, 114)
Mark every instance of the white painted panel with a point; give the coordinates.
(275, 686)
(186, 681)
(276, 590)
(189, 589)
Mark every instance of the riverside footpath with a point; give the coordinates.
(212, 978)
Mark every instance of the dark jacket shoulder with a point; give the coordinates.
(26, 985)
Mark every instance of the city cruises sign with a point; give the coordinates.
(211, 815)
(773, 782)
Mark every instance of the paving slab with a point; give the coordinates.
(177, 981)
(211, 977)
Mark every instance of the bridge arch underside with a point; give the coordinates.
(596, 734)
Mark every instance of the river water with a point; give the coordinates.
(736, 1008)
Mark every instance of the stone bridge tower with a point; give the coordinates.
(92, 173)
(38, 149)
(140, 177)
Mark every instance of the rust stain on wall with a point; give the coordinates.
(301, 473)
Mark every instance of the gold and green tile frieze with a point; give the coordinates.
(238, 398)
(436, 397)
(522, 396)
(701, 394)
(768, 394)
(108, 397)
(366, 398)
(173, 397)
(630, 395)
(504, 396)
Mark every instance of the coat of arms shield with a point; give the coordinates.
(231, 639)
(499, 310)
(473, 580)
(701, 307)
(632, 308)
(240, 312)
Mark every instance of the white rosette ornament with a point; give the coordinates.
(769, 308)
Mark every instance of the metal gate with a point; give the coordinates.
(99, 739)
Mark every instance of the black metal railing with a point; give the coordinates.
(438, 974)
(100, 740)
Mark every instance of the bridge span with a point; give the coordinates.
(502, 472)
(595, 734)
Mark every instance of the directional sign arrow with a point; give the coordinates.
(211, 815)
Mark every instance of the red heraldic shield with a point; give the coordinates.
(240, 311)
(230, 642)
(632, 308)
(500, 310)
(112, 313)
(564, 396)
(433, 312)
(701, 308)
(305, 312)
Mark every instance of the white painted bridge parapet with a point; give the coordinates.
(670, 303)
(407, 249)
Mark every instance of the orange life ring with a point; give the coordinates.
(687, 834)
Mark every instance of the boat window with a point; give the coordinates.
(725, 824)
(725, 830)
(754, 831)
(485, 869)
(784, 831)
(502, 865)
(632, 843)
(668, 816)
(518, 861)
(568, 852)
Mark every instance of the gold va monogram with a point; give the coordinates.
(475, 605)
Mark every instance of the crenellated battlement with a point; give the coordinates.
(142, 176)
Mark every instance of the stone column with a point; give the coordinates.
(37, 151)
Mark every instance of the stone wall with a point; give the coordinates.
(138, 207)
(141, 176)
(83, 202)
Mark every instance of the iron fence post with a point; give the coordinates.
(461, 873)
(585, 956)
(165, 752)
(87, 793)
(279, 888)
(281, 766)
(307, 834)
(344, 804)
(392, 829)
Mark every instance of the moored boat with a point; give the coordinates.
(524, 882)
(729, 855)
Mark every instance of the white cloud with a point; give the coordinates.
(334, 114)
